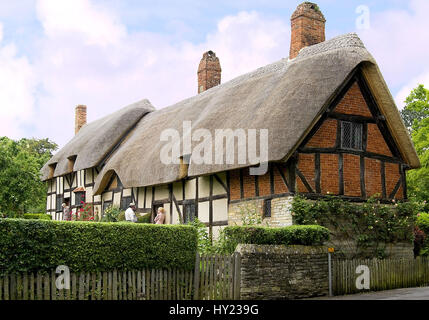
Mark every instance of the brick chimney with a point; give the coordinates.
(308, 27)
(209, 71)
(80, 118)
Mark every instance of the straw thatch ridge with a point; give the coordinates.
(287, 98)
(95, 140)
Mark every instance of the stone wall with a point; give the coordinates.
(283, 272)
(280, 211)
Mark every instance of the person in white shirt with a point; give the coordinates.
(130, 214)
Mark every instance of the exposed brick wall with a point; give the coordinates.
(264, 184)
(307, 167)
(351, 174)
(234, 184)
(392, 177)
(376, 142)
(354, 103)
(329, 173)
(279, 185)
(307, 28)
(248, 185)
(326, 136)
(373, 177)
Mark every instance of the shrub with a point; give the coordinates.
(292, 235)
(368, 222)
(40, 245)
(144, 219)
(423, 225)
(111, 214)
(205, 245)
(41, 216)
(121, 216)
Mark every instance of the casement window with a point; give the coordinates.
(125, 203)
(106, 204)
(59, 204)
(189, 212)
(79, 197)
(267, 208)
(351, 135)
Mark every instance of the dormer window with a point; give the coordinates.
(351, 135)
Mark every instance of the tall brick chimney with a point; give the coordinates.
(209, 71)
(308, 27)
(80, 118)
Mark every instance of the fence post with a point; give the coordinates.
(330, 273)
(197, 276)
(237, 275)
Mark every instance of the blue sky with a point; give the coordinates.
(55, 54)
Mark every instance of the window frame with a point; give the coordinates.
(78, 198)
(353, 126)
(60, 207)
(194, 212)
(127, 200)
(267, 208)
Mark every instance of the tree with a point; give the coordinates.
(416, 107)
(21, 189)
(416, 118)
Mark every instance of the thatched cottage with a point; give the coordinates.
(333, 127)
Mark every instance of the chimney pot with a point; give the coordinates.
(80, 118)
(307, 27)
(209, 71)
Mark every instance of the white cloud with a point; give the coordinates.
(109, 75)
(398, 41)
(80, 17)
(17, 90)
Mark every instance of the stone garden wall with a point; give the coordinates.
(283, 272)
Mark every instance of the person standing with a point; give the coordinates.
(130, 214)
(160, 217)
(66, 211)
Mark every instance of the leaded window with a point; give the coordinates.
(189, 212)
(351, 135)
(59, 204)
(125, 203)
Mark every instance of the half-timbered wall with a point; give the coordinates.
(269, 195)
(204, 197)
(325, 166)
(61, 188)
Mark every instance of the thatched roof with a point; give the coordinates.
(95, 140)
(286, 97)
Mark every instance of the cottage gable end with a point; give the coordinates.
(351, 152)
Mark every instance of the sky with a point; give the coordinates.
(107, 54)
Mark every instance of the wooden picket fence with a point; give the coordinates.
(385, 274)
(218, 277)
(214, 277)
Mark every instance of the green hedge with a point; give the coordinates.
(41, 216)
(39, 245)
(292, 235)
